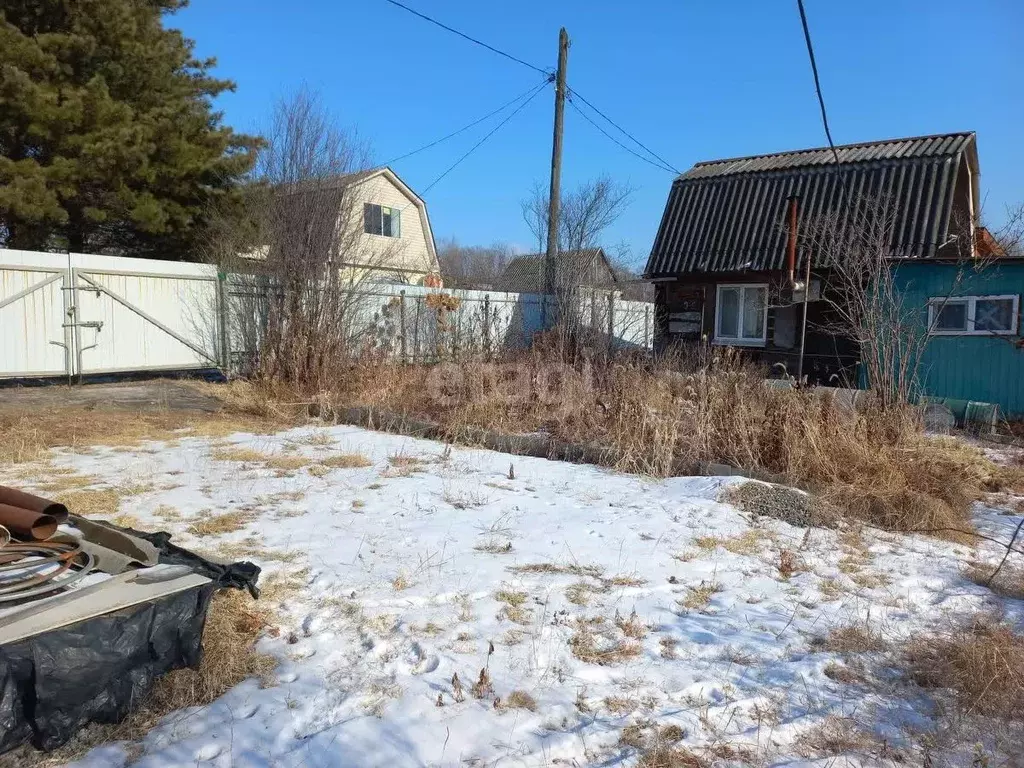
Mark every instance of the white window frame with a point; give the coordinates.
(396, 220)
(935, 303)
(740, 341)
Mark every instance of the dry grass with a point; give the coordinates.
(167, 513)
(574, 569)
(1009, 582)
(512, 608)
(593, 642)
(287, 463)
(698, 598)
(579, 593)
(875, 464)
(465, 498)
(239, 453)
(981, 663)
(101, 502)
(520, 700)
(495, 547)
(663, 756)
(28, 433)
(852, 639)
(624, 580)
(346, 461)
(225, 522)
(843, 673)
(836, 736)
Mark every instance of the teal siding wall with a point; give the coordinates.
(987, 369)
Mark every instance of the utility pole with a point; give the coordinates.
(555, 193)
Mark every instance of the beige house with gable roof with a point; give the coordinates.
(394, 243)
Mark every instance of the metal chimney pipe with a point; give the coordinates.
(791, 244)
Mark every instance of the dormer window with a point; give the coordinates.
(381, 220)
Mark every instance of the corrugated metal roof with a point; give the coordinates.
(525, 274)
(728, 215)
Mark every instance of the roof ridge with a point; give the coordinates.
(853, 145)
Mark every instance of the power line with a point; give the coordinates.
(494, 130)
(632, 138)
(586, 117)
(503, 107)
(467, 37)
(817, 82)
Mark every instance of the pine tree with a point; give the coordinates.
(108, 138)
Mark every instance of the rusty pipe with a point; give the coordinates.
(791, 243)
(16, 498)
(26, 524)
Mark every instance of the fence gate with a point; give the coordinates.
(35, 337)
(142, 315)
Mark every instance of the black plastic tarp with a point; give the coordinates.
(99, 669)
(96, 670)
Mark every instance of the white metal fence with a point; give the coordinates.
(80, 314)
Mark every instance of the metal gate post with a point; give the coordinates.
(223, 326)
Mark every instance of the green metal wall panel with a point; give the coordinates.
(983, 368)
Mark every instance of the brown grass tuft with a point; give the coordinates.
(1009, 582)
(239, 453)
(664, 756)
(520, 700)
(835, 736)
(594, 643)
(346, 461)
(981, 663)
(852, 639)
(575, 569)
(698, 598)
(226, 522)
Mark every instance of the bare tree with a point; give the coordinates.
(298, 301)
(854, 247)
(472, 266)
(1010, 237)
(585, 213)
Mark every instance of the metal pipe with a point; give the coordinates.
(791, 243)
(803, 329)
(27, 524)
(16, 498)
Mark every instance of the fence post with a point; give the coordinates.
(401, 322)
(416, 328)
(487, 326)
(611, 321)
(222, 323)
(647, 325)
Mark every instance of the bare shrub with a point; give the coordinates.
(584, 214)
(300, 265)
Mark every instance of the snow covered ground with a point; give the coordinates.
(606, 611)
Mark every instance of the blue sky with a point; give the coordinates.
(693, 80)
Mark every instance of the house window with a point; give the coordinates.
(741, 314)
(381, 220)
(973, 315)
